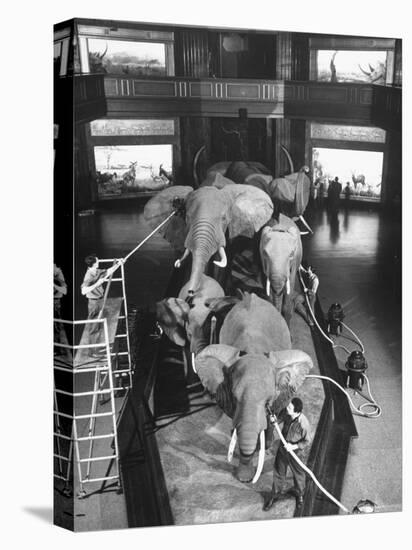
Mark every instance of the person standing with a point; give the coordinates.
(92, 288)
(59, 290)
(311, 286)
(315, 191)
(297, 433)
(334, 192)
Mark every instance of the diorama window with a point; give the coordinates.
(131, 169)
(362, 170)
(352, 66)
(128, 52)
(126, 57)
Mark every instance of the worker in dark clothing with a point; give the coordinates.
(334, 192)
(297, 433)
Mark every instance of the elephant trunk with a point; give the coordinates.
(248, 439)
(280, 286)
(203, 243)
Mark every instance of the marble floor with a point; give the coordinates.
(357, 256)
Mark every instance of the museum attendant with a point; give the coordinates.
(297, 433)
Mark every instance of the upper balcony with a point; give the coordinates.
(97, 96)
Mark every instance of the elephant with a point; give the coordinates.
(251, 367)
(183, 320)
(290, 194)
(205, 214)
(280, 250)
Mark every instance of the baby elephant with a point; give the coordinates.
(184, 320)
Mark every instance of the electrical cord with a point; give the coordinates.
(376, 409)
(372, 403)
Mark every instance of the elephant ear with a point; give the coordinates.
(211, 362)
(172, 314)
(290, 368)
(216, 178)
(292, 190)
(302, 193)
(251, 209)
(159, 207)
(225, 303)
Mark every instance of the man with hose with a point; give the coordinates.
(297, 434)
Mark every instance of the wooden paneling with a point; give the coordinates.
(192, 53)
(96, 95)
(89, 96)
(329, 102)
(387, 107)
(184, 97)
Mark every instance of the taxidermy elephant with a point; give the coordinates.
(184, 320)
(281, 255)
(290, 194)
(204, 217)
(251, 367)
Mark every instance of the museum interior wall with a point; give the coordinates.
(147, 98)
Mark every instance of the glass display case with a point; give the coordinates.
(132, 157)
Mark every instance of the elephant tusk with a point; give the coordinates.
(267, 287)
(261, 459)
(178, 262)
(193, 363)
(304, 232)
(289, 158)
(288, 286)
(305, 223)
(212, 329)
(223, 261)
(232, 446)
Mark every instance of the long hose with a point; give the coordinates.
(306, 469)
(377, 411)
(374, 414)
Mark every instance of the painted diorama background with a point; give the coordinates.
(27, 256)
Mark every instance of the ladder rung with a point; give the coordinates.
(76, 370)
(121, 335)
(97, 458)
(81, 394)
(82, 416)
(99, 479)
(62, 458)
(62, 436)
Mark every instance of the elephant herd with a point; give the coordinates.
(240, 345)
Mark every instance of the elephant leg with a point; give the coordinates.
(245, 471)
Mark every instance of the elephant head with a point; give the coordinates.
(281, 255)
(184, 320)
(290, 194)
(243, 385)
(207, 213)
(251, 367)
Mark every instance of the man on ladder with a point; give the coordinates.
(92, 288)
